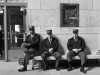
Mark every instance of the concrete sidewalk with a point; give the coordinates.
(10, 68)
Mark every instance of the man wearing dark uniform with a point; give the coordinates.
(50, 47)
(30, 47)
(76, 46)
(1, 46)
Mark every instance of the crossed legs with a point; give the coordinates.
(29, 54)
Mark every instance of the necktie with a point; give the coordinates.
(50, 40)
(76, 39)
(31, 37)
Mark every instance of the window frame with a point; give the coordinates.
(75, 19)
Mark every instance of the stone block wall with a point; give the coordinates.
(45, 14)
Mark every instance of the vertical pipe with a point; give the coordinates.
(5, 33)
(27, 20)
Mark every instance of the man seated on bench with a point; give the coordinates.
(50, 47)
(30, 47)
(76, 46)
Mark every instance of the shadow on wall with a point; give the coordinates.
(87, 50)
(61, 49)
(40, 47)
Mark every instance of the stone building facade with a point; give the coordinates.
(45, 14)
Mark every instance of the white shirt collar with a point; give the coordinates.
(50, 40)
(32, 35)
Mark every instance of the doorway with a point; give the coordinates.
(2, 52)
(15, 32)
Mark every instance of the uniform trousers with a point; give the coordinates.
(47, 54)
(80, 54)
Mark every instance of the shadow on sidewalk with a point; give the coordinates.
(90, 64)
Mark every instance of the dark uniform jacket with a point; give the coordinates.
(34, 41)
(47, 45)
(72, 44)
(0, 39)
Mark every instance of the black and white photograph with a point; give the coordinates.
(49, 37)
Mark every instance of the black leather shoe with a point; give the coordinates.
(82, 70)
(32, 68)
(45, 68)
(69, 69)
(22, 69)
(1, 54)
(58, 69)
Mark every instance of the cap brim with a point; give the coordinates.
(75, 32)
(49, 33)
(31, 29)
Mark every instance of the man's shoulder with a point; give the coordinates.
(54, 38)
(80, 37)
(70, 38)
(45, 39)
(73, 38)
(37, 34)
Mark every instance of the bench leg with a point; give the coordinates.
(33, 62)
(37, 63)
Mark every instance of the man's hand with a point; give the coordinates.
(79, 49)
(50, 50)
(75, 50)
(24, 46)
(27, 44)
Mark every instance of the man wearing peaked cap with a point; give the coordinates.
(50, 47)
(75, 31)
(49, 32)
(30, 47)
(31, 28)
(76, 46)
